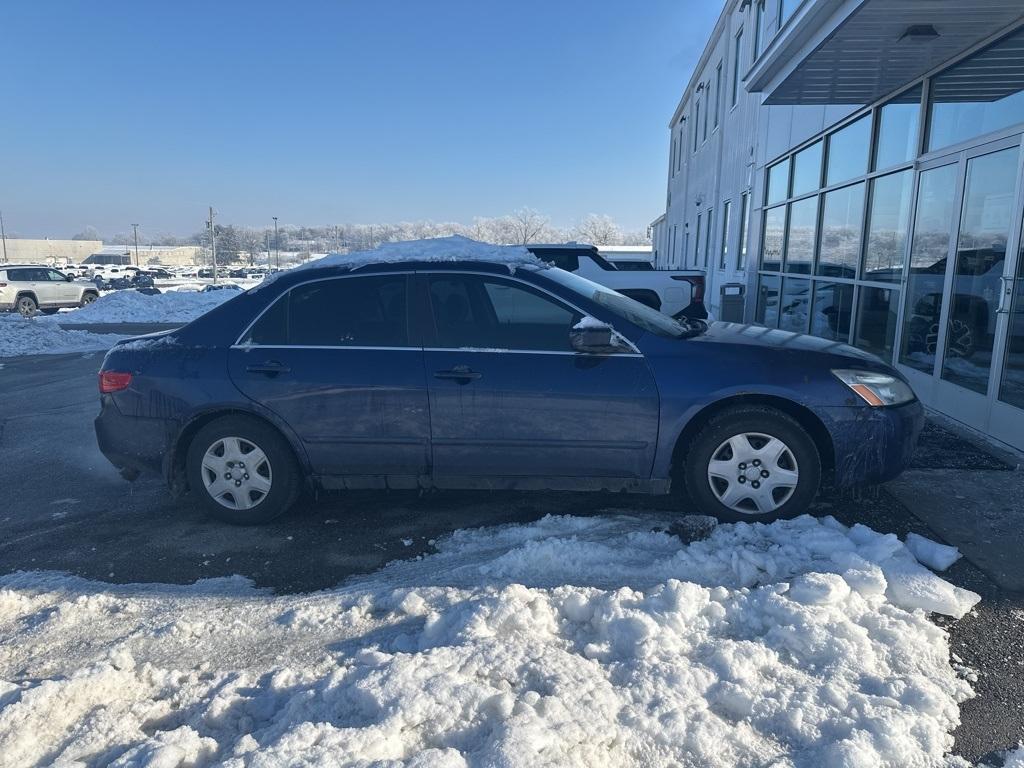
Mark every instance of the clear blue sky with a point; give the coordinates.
(324, 112)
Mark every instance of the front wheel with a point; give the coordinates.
(752, 463)
(242, 470)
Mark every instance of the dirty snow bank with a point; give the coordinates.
(135, 307)
(34, 336)
(566, 642)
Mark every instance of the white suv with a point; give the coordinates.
(31, 287)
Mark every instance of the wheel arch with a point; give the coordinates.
(31, 294)
(803, 416)
(174, 461)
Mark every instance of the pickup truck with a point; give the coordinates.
(674, 293)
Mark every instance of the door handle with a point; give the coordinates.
(460, 373)
(270, 367)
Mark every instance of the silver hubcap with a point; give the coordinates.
(236, 473)
(753, 473)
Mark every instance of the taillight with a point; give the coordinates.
(697, 281)
(114, 381)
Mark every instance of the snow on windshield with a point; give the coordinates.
(566, 642)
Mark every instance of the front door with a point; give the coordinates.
(955, 325)
(510, 398)
(335, 360)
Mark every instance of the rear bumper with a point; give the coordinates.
(132, 443)
(872, 445)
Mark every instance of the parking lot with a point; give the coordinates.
(67, 510)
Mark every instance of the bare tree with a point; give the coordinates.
(598, 230)
(251, 241)
(526, 226)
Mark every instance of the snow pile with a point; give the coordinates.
(566, 642)
(135, 307)
(33, 336)
(454, 248)
(936, 556)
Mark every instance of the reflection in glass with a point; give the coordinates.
(981, 94)
(897, 130)
(833, 305)
(778, 182)
(848, 151)
(803, 227)
(807, 169)
(929, 251)
(774, 229)
(1011, 389)
(841, 217)
(888, 223)
(767, 312)
(876, 320)
(796, 304)
(980, 255)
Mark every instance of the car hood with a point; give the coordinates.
(770, 338)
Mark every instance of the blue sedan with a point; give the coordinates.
(469, 374)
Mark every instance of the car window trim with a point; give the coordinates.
(238, 342)
(239, 345)
(558, 299)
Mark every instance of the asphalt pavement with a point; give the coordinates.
(63, 507)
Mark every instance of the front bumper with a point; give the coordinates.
(872, 445)
(131, 443)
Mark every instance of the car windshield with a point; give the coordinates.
(629, 309)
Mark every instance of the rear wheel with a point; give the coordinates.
(753, 463)
(242, 470)
(88, 298)
(26, 306)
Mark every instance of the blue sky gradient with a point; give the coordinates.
(329, 112)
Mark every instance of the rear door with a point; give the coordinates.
(336, 360)
(509, 397)
(64, 291)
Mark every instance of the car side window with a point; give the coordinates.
(570, 262)
(343, 312)
(472, 311)
(54, 275)
(18, 275)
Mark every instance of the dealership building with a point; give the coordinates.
(854, 169)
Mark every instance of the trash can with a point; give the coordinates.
(730, 306)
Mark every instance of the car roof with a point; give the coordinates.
(19, 266)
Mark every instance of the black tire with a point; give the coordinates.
(88, 298)
(283, 470)
(26, 306)
(753, 420)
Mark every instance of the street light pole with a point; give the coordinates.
(269, 264)
(213, 246)
(136, 228)
(3, 235)
(277, 244)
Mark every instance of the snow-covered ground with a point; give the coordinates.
(34, 336)
(565, 642)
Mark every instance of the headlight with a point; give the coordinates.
(876, 388)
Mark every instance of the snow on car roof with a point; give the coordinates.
(438, 249)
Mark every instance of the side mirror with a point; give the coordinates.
(594, 336)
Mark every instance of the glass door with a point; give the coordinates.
(1007, 422)
(954, 336)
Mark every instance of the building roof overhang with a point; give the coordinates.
(857, 51)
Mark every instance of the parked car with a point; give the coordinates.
(158, 273)
(205, 272)
(221, 287)
(471, 375)
(31, 287)
(675, 293)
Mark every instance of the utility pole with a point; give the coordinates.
(269, 265)
(3, 235)
(277, 244)
(213, 245)
(136, 228)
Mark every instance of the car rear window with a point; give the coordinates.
(342, 312)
